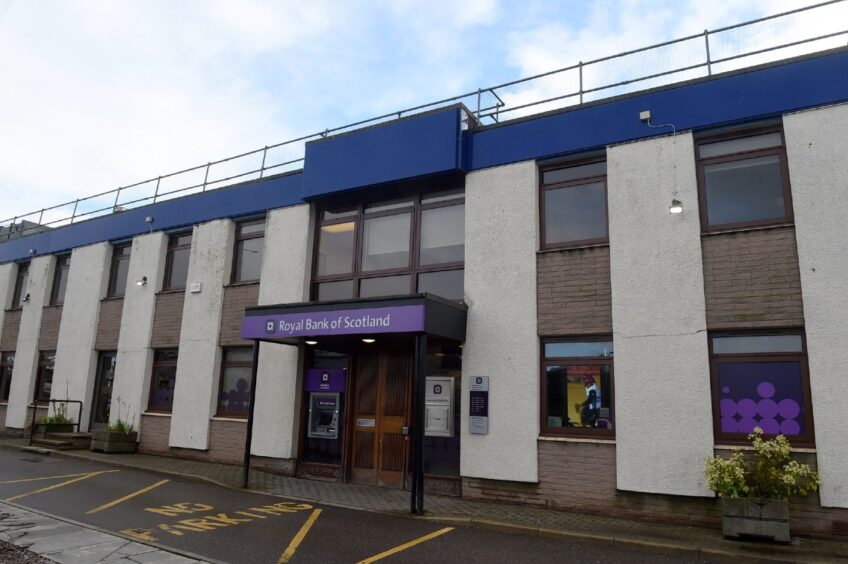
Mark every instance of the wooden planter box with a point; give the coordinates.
(113, 443)
(767, 518)
(42, 429)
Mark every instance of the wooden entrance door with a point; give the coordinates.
(381, 410)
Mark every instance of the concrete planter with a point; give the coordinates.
(767, 518)
(113, 443)
(43, 429)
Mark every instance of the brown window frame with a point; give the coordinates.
(807, 440)
(117, 258)
(543, 188)
(63, 268)
(778, 150)
(169, 258)
(6, 382)
(358, 218)
(237, 247)
(161, 364)
(232, 364)
(37, 398)
(20, 284)
(575, 432)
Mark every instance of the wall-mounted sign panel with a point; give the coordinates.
(439, 406)
(325, 380)
(366, 321)
(478, 406)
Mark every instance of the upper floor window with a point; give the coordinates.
(120, 270)
(743, 180)
(60, 280)
(7, 364)
(176, 265)
(574, 205)
(20, 295)
(247, 259)
(409, 245)
(760, 380)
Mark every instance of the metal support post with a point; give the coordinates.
(418, 393)
(707, 45)
(249, 436)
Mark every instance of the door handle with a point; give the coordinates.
(404, 431)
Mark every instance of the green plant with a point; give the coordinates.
(768, 473)
(59, 416)
(122, 425)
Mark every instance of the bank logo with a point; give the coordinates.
(269, 326)
(437, 389)
(478, 380)
(325, 377)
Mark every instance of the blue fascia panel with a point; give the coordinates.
(409, 148)
(244, 199)
(739, 97)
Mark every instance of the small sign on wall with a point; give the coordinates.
(478, 406)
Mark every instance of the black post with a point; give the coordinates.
(418, 393)
(249, 437)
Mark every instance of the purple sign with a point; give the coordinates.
(768, 395)
(397, 319)
(325, 380)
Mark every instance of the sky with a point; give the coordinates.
(100, 94)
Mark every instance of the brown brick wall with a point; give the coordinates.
(582, 477)
(51, 318)
(573, 292)
(11, 325)
(752, 280)
(167, 319)
(236, 298)
(155, 430)
(226, 441)
(109, 325)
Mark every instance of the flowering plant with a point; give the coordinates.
(769, 473)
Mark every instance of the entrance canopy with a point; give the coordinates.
(416, 314)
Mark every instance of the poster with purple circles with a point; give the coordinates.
(765, 394)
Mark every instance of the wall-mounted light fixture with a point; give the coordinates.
(676, 207)
(26, 298)
(368, 340)
(311, 343)
(32, 252)
(149, 221)
(142, 282)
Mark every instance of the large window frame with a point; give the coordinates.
(777, 150)
(227, 363)
(7, 366)
(359, 214)
(46, 367)
(174, 246)
(20, 285)
(238, 249)
(581, 181)
(805, 440)
(60, 279)
(608, 361)
(120, 261)
(162, 363)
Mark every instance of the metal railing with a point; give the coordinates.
(664, 63)
(40, 404)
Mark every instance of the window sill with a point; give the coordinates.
(53, 306)
(174, 291)
(749, 228)
(112, 298)
(574, 248)
(233, 419)
(14, 309)
(747, 448)
(239, 284)
(609, 441)
(157, 413)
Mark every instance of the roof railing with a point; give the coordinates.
(689, 57)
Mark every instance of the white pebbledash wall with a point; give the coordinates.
(199, 361)
(816, 146)
(135, 357)
(8, 274)
(286, 263)
(26, 352)
(501, 234)
(76, 358)
(662, 379)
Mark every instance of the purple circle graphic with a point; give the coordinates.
(726, 389)
(789, 408)
(768, 408)
(729, 425)
(790, 427)
(728, 407)
(747, 425)
(770, 426)
(765, 389)
(747, 408)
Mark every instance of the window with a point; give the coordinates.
(103, 387)
(120, 270)
(247, 262)
(577, 387)
(163, 380)
(20, 295)
(403, 246)
(60, 280)
(743, 180)
(574, 205)
(7, 364)
(236, 381)
(760, 379)
(44, 377)
(176, 267)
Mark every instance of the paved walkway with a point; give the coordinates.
(499, 516)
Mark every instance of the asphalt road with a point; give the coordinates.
(236, 526)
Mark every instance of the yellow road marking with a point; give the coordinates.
(44, 478)
(126, 497)
(60, 484)
(404, 546)
(298, 538)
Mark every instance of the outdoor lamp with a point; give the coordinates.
(676, 207)
(142, 282)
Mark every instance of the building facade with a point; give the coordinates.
(636, 300)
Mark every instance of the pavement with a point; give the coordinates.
(697, 542)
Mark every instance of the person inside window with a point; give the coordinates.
(590, 408)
